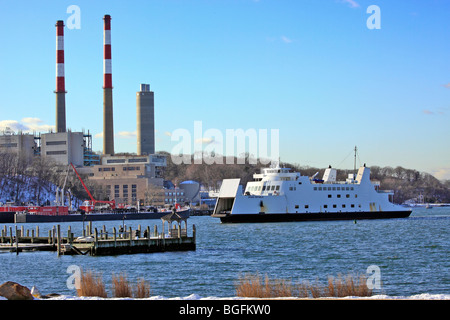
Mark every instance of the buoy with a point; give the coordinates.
(354, 221)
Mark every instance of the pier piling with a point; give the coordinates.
(102, 243)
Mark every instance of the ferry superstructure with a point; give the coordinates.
(281, 194)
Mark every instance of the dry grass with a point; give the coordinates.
(253, 286)
(91, 285)
(142, 289)
(121, 287)
(342, 286)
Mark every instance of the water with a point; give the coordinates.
(412, 254)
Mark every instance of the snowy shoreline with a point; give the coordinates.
(423, 296)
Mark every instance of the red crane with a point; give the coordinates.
(89, 205)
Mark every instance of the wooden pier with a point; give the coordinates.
(98, 242)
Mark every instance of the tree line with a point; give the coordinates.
(34, 179)
(406, 183)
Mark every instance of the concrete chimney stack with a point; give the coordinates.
(108, 126)
(145, 111)
(60, 81)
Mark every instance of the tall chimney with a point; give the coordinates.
(108, 126)
(145, 112)
(60, 82)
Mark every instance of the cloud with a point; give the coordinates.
(446, 85)
(167, 133)
(438, 111)
(126, 134)
(204, 140)
(350, 3)
(286, 39)
(442, 173)
(26, 125)
(99, 135)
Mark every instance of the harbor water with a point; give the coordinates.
(412, 254)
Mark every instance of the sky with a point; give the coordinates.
(329, 75)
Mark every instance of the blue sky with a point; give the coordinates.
(311, 69)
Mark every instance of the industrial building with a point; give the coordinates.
(63, 147)
(126, 179)
(22, 144)
(145, 120)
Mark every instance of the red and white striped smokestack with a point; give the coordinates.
(60, 81)
(107, 74)
(108, 126)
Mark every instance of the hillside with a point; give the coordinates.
(406, 183)
(36, 181)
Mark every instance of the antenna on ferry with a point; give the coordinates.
(354, 163)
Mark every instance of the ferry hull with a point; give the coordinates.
(320, 216)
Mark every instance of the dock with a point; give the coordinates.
(99, 242)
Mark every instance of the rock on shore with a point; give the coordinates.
(14, 291)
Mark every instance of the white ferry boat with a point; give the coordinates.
(280, 194)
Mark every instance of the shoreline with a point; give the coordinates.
(422, 296)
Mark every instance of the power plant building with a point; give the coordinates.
(127, 179)
(145, 112)
(63, 147)
(21, 144)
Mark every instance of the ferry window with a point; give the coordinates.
(343, 206)
(329, 188)
(338, 195)
(273, 188)
(339, 188)
(264, 188)
(334, 188)
(325, 206)
(278, 188)
(329, 196)
(315, 188)
(356, 196)
(334, 206)
(296, 206)
(351, 188)
(259, 188)
(347, 196)
(320, 188)
(352, 206)
(359, 206)
(347, 188)
(306, 206)
(290, 188)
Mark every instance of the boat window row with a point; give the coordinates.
(325, 206)
(274, 187)
(332, 188)
(339, 196)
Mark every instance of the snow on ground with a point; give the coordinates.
(423, 296)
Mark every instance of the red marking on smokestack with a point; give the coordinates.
(108, 125)
(60, 82)
(60, 86)
(107, 72)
